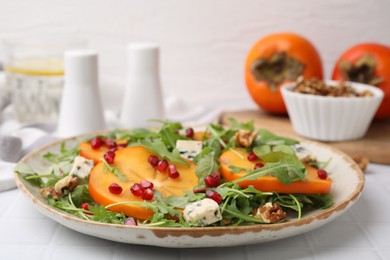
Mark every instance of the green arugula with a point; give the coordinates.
(114, 170)
(285, 172)
(64, 154)
(159, 148)
(266, 137)
(206, 164)
(236, 125)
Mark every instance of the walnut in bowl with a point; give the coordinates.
(331, 110)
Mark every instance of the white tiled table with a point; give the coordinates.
(363, 232)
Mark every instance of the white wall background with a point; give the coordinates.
(203, 43)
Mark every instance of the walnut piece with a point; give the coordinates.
(318, 87)
(45, 192)
(270, 213)
(244, 138)
(67, 183)
(361, 161)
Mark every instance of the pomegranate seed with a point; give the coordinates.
(130, 222)
(162, 165)
(217, 177)
(121, 146)
(145, 184)
(172, 172)
(110, 143)
(109, 157)
(85, 206)
(190, 132)
(258, 166)
(212, 181)
(148, 194)
(200, 190)
(322, 174)
(211, 194)
(252, 157)
(96, 143)
(137, 190)
(115, 188)
(153, 160)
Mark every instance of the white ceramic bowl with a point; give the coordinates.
(331, 118)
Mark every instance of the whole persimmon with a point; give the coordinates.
(275, 60)
(367, 63)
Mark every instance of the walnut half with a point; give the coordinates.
(244, 138)
(67, 183)
(270, 213)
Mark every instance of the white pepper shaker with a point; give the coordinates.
(81, 108)
(142, 99)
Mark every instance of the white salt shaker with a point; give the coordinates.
(142, 99)
(81, 109)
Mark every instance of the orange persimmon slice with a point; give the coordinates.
(238, 158)
(133, 164)
(86, 151)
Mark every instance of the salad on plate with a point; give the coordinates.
(178, 176)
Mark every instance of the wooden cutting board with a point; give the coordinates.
(375, 145)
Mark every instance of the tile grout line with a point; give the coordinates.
(367, 234)
(50, 246)
(309, 240)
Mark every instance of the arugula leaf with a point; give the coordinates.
(266, 137)
(206, 165)
(63, 155)
(101, 214)
(80, 195)
(285, 172)
(158, 147)
(238, 211)
(169, 134)
(132, 136)
(29, 174)
(236, 125)
(182, 201)
(114, 170)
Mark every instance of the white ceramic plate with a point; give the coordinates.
(348, 182)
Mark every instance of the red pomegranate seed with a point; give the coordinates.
(115, 188)
(130, 222)
(121, 146)
(190, 132)
(96, 143)
(200, 190)
(109, 157)
(172, 172)
(252, 157)
(217, 177)
(85, 206)
(137, 190)
(148, 194)
(211, 194)
(162, 165)
(145, 184)
(212, 181)
(322, 174)
(258, 166)
(110, 143)
(153, 160)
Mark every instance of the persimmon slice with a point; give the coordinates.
(238, 158)
(133, 164)
(86, 151)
